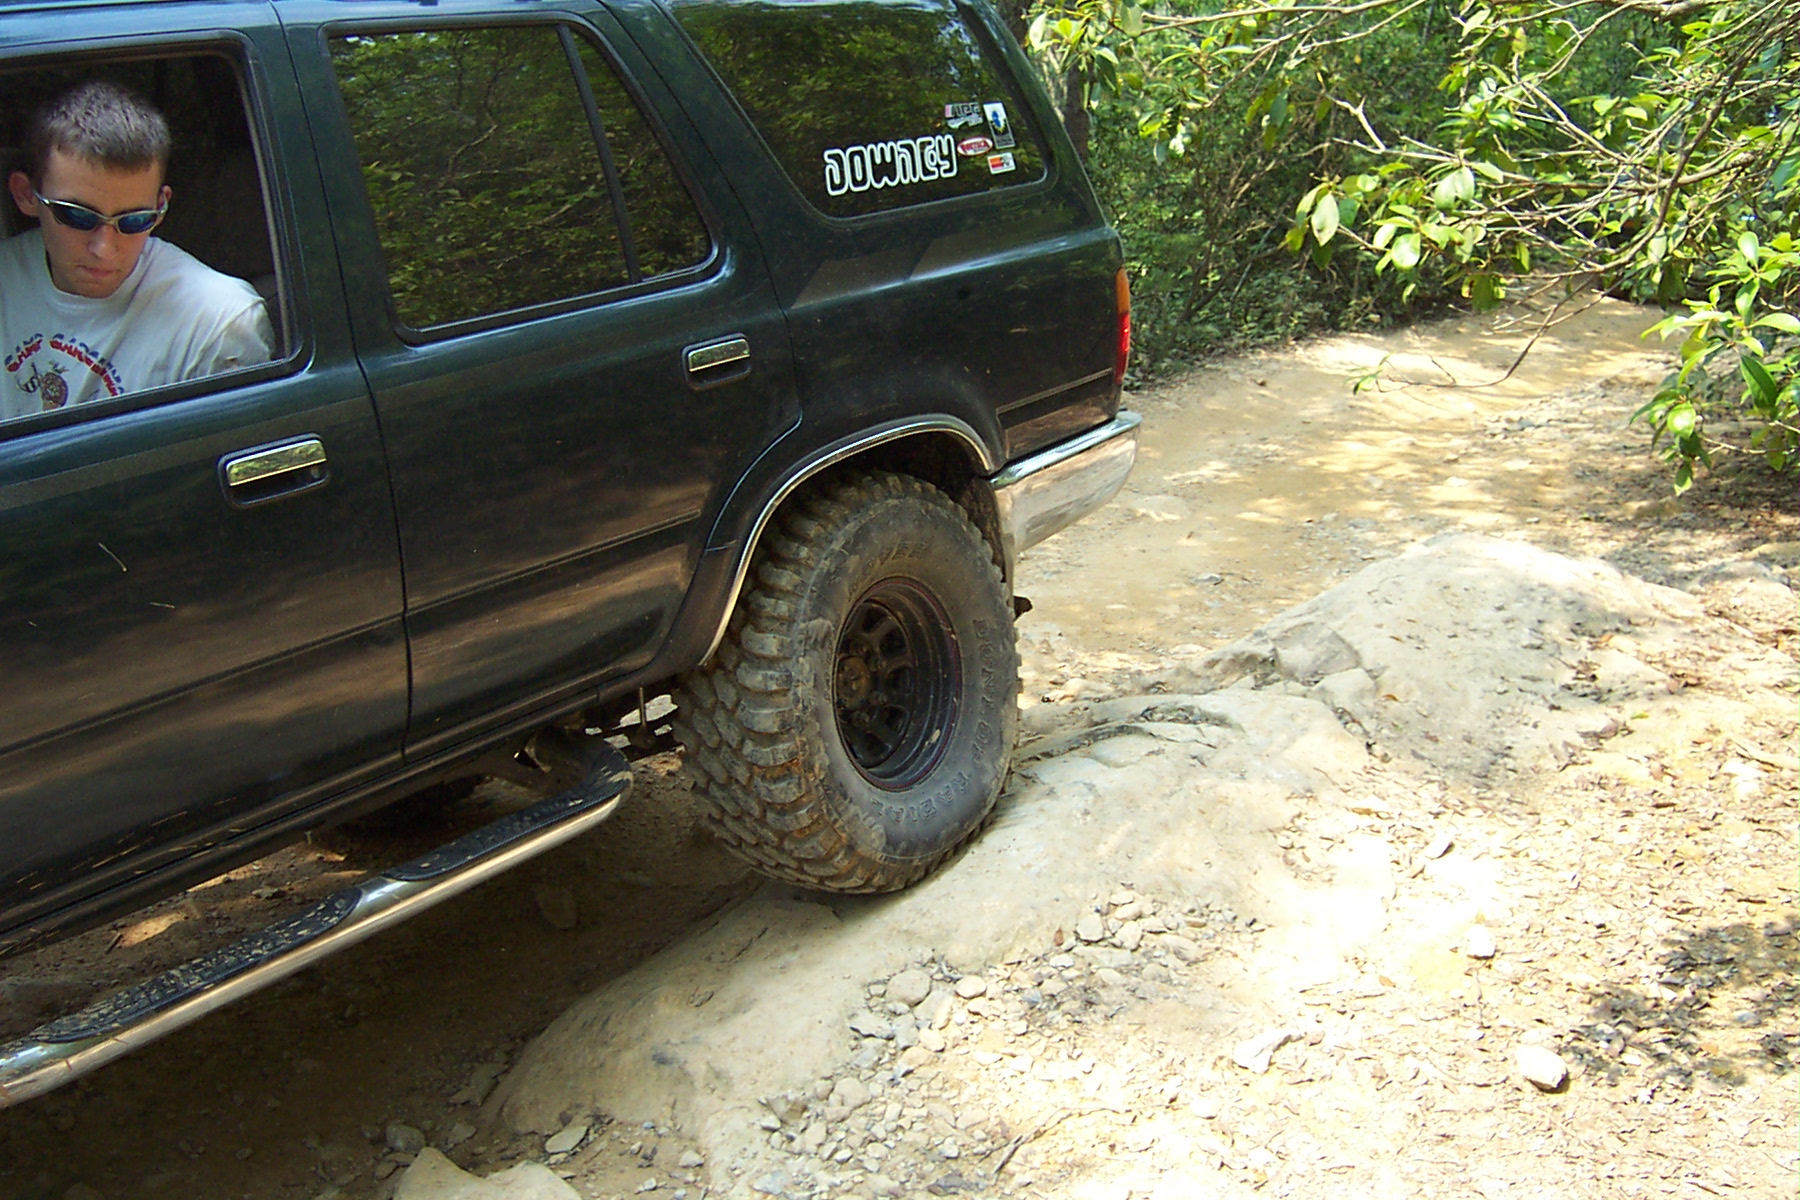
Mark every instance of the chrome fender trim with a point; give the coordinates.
(835, 453)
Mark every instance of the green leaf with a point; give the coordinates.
(1759, 378)
(1780, 322)
(1325, 218)
(1132, 20)
(1453, 189)
(1407, 251)
(1682, 420)
(1747, 246)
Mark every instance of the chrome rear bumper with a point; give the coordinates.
(1054, 488)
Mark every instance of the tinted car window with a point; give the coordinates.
(487, 186)
(665, 225)
(870, 106)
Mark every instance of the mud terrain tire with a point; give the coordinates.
(856, 724)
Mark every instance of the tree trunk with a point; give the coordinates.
(1075, 111)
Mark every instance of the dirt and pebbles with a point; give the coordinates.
(1385, 751)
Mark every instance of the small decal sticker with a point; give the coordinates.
(890, 164)
(1001, 127)
(1000, 164)
(961, 116)
(974, 147)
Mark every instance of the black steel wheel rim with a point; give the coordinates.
(895, 683)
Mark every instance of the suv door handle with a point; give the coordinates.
(717, 361)
(266, 473)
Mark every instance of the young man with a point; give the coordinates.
(92, 306)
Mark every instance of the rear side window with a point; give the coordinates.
(870, 105)
(493, 184)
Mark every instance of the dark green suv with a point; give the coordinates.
(623, 352)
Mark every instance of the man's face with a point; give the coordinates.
(95, 263)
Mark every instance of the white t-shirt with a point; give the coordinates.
(173, 318)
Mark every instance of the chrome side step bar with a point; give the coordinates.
(71, 1046)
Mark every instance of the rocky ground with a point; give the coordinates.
(1408, 807)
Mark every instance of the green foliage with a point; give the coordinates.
(1652, 146)
(1201, 175)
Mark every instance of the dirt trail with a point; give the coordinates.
(1664, 979)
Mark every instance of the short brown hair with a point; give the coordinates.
(99, 121)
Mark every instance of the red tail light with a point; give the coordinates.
(1123, 286)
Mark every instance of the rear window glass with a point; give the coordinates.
(871, 106)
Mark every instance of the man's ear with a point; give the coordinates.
(19, 184)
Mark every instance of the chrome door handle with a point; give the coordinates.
(269, 472)
(713, 362)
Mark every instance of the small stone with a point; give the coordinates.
(869, 1025)
(1184, 948)
(949, 1149)
(772, 1184)
(881, 1185)
(1105, 956)
(649, 1185)
(912, 1058)
(404, 1138)
(1121, 897)
(690, 1161)
(556, 904)
(768, 1121)
(1129, 912)
(1091, 928)
(1255, 1053)
(850, 1093)
(480, 1085)
(1439, 845)
(1130, 935)
(906, 1033)
(935, 1009)
(910, 987)
(932, 1040)
(571, 1137)
(1544, 1068)
(971, 986)
(456, 1135)
(1479, 942)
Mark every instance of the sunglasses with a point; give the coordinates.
(83, 219)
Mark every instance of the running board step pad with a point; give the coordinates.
(70, 1046)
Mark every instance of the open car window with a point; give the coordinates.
(202, 298)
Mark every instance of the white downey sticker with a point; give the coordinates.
(890, 164)
(1000, 164)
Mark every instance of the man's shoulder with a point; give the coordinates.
(22, 250)
(173, 276)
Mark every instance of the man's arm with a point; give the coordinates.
(247, 340)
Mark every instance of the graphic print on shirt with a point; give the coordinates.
(46, 378)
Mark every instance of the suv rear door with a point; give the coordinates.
(564, 397)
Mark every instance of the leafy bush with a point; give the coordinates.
(1652, 146)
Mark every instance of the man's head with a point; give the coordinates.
(95, 157)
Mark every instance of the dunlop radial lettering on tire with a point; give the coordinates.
(857, 722)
